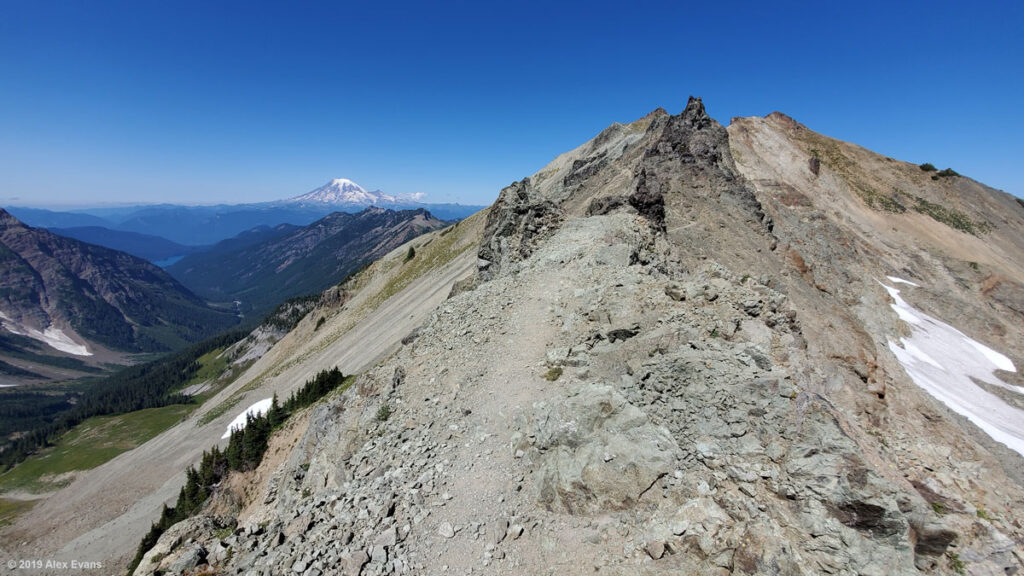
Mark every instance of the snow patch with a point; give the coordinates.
(949, 379)
(53, 337)
(56, 338)
(903, 310)
(896, 280)
(256, 409)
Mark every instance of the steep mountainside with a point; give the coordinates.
(299, 261)
(683, 349)
(81, 299)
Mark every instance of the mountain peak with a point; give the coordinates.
(344, 184)
(342, 191)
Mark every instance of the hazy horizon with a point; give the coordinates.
(99, 205)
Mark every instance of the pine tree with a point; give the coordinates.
(276, 414)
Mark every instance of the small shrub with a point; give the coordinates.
(947, 173)
(975, 266)
(956, 563)
(319, 323)
(553, 374)
(928, 167)
(714, 333)
(951, 217)
(384, 412)
(410, 254)
(982, 513)
(939, 508)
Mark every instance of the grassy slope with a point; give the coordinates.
(101, 438)
(10, 509)
(90, 444)
(372, 286)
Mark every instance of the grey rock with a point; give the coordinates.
(446, 530)
(354, 565)
(497, 530)
(655, 549)
(188, 560)
(574, 437)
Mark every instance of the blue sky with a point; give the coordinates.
(197, 102)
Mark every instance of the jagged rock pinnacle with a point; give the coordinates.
(694, 112)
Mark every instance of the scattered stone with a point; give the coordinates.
(655, 549)
(497, 530)
(354, 565)
(446, 530)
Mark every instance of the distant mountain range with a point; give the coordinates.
(263, 267)
(60, 297)
(146, 246)
(207, 225)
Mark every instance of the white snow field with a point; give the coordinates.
(943, 360)
(256, 409)
(52, 336)
(896, 280)
(57, 339)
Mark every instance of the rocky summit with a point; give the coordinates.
(676, 350)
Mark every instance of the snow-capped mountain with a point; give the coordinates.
(342, 191)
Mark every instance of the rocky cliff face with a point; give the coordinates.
(79, 298)
(677, 358)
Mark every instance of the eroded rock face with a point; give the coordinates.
(519, 220)
(690, 158)
(597, 452)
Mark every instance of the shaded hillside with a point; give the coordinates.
(290, 261)
(145, 246)
(42, 218)
(76, 297)
(205, 225)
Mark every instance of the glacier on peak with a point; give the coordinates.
(343, 191)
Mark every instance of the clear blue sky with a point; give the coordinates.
(199, 101)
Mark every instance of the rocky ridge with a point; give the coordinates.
(666, 364)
